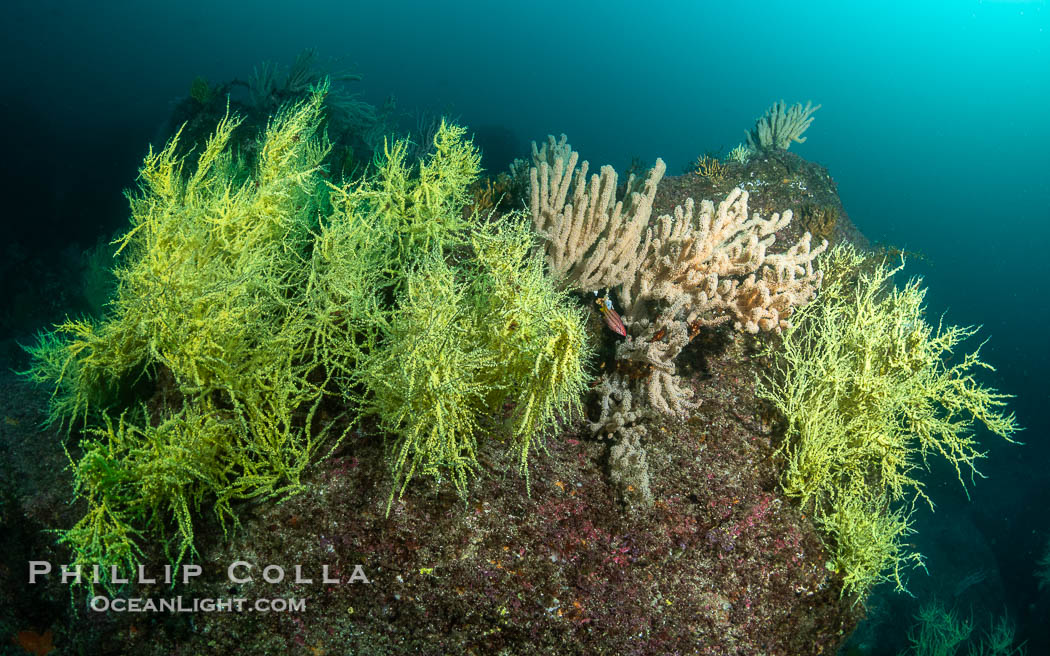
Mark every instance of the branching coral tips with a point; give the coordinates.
(612, 319)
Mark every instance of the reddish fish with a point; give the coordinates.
(612, 320)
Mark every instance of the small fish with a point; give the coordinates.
(612, 319)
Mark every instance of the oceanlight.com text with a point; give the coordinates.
(179, 604)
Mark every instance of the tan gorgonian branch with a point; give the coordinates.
(686, 271)
(592, 241)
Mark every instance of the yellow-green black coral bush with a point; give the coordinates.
(251, 291)
(464, 342)
(206, 299)
(870, 390)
